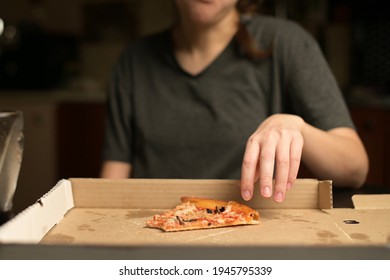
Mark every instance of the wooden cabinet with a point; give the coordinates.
(373, 125)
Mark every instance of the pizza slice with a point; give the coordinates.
(200, 213)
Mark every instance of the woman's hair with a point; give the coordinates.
(247, 8)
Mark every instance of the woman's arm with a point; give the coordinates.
(283, 140)
(337, 154)
(115, 170)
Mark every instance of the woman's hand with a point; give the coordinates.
(115, 170)
(276, 144)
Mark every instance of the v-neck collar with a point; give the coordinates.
(213, 66)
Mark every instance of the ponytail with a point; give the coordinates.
(247, 8)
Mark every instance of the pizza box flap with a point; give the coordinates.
(166, 193)
(33, 223)
(371, 201)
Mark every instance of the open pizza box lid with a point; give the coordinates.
(101, 213)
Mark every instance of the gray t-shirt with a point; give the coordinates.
(170, 124)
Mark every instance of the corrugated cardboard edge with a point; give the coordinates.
(325, 194)
(371, 201)
(34, 222)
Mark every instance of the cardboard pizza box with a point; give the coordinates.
(86, 214)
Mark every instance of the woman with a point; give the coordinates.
(202, 100)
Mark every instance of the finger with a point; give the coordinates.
(282, 169)
(295, 160)
(266, 167)
(248, 169)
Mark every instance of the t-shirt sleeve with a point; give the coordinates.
(118, 133)
(312, 88)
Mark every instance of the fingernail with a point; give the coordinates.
(288, 187)
(246, 195)
(279, 197)
(267, 191)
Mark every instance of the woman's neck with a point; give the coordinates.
(196, 46)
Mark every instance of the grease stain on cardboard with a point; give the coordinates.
(359, 236)
(85, 227)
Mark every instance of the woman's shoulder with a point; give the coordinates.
(274, 28)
